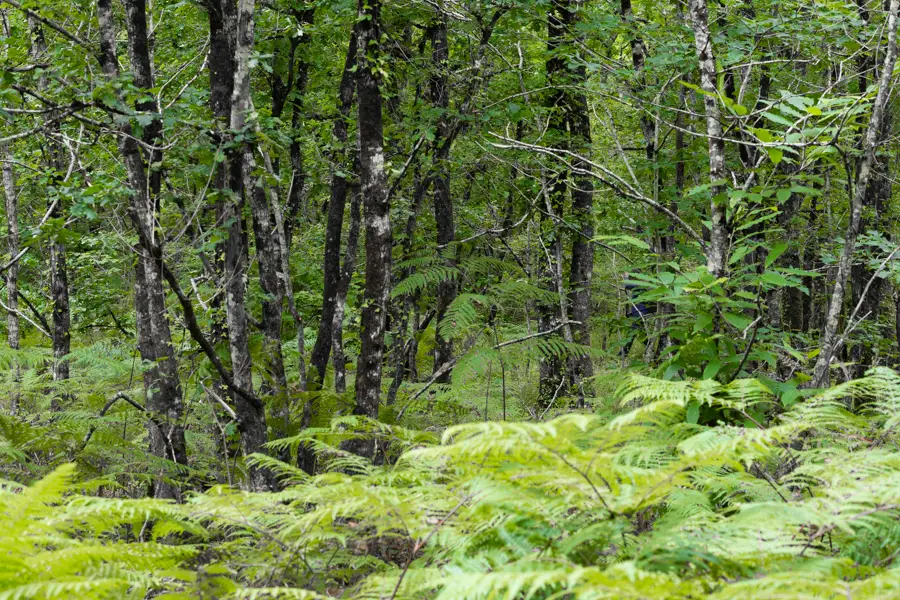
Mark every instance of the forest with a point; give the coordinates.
(449, 299)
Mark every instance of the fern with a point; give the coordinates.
(643, 504)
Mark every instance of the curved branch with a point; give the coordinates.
(607, 177)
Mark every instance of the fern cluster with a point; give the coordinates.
(648, 503)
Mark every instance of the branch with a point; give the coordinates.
(51, 24)
(34, 311)
(190, 317)
(412, 156)
(450, 363)
(106, 407)
(607, 177)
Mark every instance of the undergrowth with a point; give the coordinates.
(642, 504)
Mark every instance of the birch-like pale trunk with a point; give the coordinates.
(829, 338)
(12, 274)
(252, 417)
(717, 252)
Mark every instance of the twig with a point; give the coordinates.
(450, 363)
(106, 407)
(51, 24)
(422, 543)
(218, 399)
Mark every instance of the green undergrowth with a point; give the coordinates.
(758, 502)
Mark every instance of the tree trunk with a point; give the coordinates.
(251, 421)
(336, 205)
(377, 218)
(717, 253)
(340, 301)
(551, 379)
(582, 266)
(829, 338)
(222, 15)
(298, 175)
(59, 281)
(252, 418)
(163, 388)
(878, 194)
(268, 252)
(12, 274)
(443, 203)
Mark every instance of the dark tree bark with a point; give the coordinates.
(570, 130)
(551, 379)
(403, 341)
(163, 388)
(337, 203)
(298, 174)
(377, 217)
(582, 266)
(340, 301)
(638, 59)
(443, 202)
(222, 16)
(59, 280)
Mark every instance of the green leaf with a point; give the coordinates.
(712, 368)
(738, 321)
(773, 278)
(703, 321)
(775, 155)
(693, 412)
(618, 240)
(776, 251)
(783, 195)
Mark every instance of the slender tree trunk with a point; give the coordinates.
(582, 266)
(638, 59)
(717, 253)
(268, 251)
(223, 22)
(298, 175)
(340, 301)
(551, 379)
(878, 194)
(443, 202)
(59, 280)
(377, 218)
(829, 337)
(268, 256)
(161, 382)
(12, 274)
(252, 419)
(403, 343)
(335, 222)
(222, 15)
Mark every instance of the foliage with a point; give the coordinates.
(645, 504)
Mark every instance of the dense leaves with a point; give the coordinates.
(459, 299)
